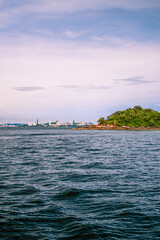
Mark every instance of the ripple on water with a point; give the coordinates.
(63, 184)
(25, 191)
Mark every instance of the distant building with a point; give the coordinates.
(80, 123)
(70, 123)
(31, 124)
(58, 123)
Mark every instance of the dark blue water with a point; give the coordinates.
(66, 184)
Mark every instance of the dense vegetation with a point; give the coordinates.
(133, 117)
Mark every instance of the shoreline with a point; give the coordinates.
(114, 127)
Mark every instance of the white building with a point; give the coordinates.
(58, 123)
(31, 124)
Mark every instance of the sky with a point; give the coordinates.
(77, 59)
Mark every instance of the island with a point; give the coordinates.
(136, 118)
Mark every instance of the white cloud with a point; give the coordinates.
(99, 39)
(59, 6)
(10, 16)
(1, 2)
(14, 10)
(75, 76)
(83, 88)
(72, 34)
(30, 61)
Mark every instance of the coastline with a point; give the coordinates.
(114, 127)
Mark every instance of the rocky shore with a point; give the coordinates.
(114, 127)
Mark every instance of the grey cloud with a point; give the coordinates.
(82, 88)
(28, 89)
(134, 80)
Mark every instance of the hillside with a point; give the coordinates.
(133, 117)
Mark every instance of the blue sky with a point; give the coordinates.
(72, 59)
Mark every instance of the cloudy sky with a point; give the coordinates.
(77, 59)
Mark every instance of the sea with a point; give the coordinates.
(79, 184)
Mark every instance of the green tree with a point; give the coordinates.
(136, 117)
(138, 107)
(101, 120)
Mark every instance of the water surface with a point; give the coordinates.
(65, 184)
